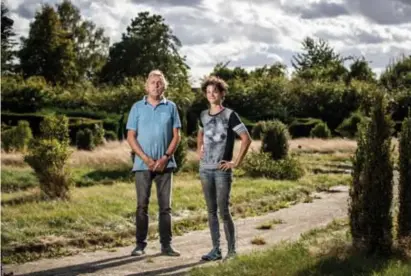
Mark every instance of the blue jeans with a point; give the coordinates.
(216, 188)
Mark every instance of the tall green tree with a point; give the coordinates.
(361, 70)
(7, 42)
(319, 61)
(372, 185)
(48, 50)
(90, 43)
(397, 75)
(222, 71)
(148, 44)
(404, 214)
(277, 69)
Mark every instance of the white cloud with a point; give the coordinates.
(254, 33)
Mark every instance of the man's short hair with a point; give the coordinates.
(218, 83)
(159, 74)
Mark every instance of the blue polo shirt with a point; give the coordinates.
(154, 126)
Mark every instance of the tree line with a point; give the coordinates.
(67, 62)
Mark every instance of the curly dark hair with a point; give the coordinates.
(219, 83)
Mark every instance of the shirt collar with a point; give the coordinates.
(163, 100)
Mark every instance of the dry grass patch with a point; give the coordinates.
(118, 153)
(258, 240)
(114, 152)
(269, 224)
(323, 145)
(111, 153)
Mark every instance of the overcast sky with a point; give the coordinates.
(252, 33)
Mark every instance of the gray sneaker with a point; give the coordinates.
(138, 251)
(170, 251)
(230, 255)
(213, 255)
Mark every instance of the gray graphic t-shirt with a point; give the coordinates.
(219, 136)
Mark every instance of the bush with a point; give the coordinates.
(275, 140)
(372, 183)
(349, 127)
(301, 127)
(261, 165)
(110, 135)
(81, 113)
(180, 155)
(77, 124)
(34, 120)
(330, 101)
(30, 95)
(404, 215)
(192, 142)
(49, 155)
(257, 130)
(16, 138)
(85, 140)
(98, 135)
(321, 130)
(111, 124)
(55, 127)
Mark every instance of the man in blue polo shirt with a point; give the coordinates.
(153, 134)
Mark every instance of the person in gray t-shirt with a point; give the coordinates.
(215, 143)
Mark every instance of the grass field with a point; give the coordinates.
(102, 208)
(320, 252)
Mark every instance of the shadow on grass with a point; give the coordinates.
(96, 177)
(22, 199)
(90, 267)
(168, 270)
(104, 176)
(353, 264)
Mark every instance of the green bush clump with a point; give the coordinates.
(349, 127)
(275, 139)
(110, 135)
(49, 155)
(85, 139)
(260, 164)
(320, 130)
(301, 127)
(16, 138)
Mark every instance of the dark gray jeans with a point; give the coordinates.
(217, 187)
(144, 180)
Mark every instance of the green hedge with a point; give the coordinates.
(111, 124)
(110, 121)
(97, 115)
(34, 119)
(301, 127)
(77, 124)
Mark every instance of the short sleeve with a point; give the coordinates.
(236, 124)
(176, 118)
(200, 123)
(132, 118)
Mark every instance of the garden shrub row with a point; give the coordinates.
(75, 123)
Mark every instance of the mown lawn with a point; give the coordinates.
(103, 215)
(320, 252)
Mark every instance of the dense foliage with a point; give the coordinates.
(66, 65)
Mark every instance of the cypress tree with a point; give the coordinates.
(372, 187)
